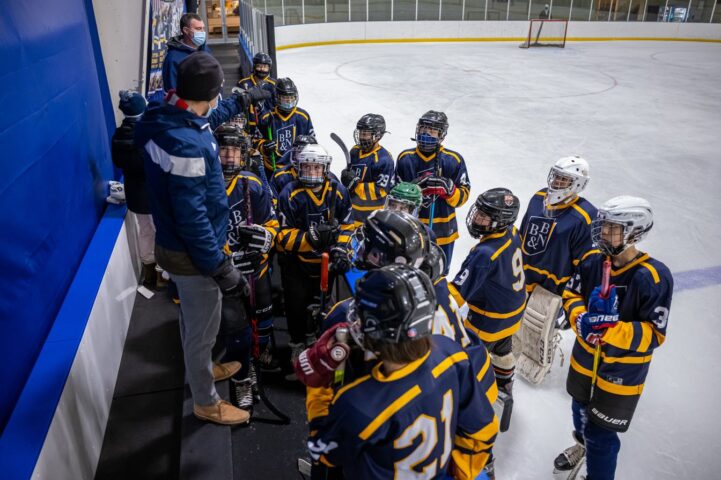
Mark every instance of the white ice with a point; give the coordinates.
(647, 116)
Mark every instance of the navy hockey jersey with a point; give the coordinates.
(412, 164)
(283, 129)
(376, 171)
(286, 174)
(299, 208)
(426, 418)
(553, 246)
(644, 288)
(491, 281)
(261, 209)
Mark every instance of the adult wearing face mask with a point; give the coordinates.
(191, 39)
(187, 198)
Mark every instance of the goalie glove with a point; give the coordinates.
(253, 237)
(316, 365)
(438, 187)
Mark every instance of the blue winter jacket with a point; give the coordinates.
(185, 183)
(175, 52)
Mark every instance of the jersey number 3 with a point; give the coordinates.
(425, 426)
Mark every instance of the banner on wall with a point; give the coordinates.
(164, 24)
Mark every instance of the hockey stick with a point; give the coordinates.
(270, 138)
(432, 212)
(282, 418)
(342, 146)
(605, 292)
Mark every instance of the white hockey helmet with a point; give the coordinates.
(635, 216)
(566, 179)
(306, 162)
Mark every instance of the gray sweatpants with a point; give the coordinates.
(200, 303)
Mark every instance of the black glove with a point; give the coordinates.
(349, 178)
(245, 98)
(247, 262)
(341, 257)
(253, 237)
(269, 147)
(323, 236)
(422, 179)
(255, 162)
(229, 279)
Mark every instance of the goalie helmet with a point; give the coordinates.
(394, 304)
(286, 95)
(431, 122)
(404, 197)
(500, 205)
(313, 164)
(372, 123)
(566, 179)
(634, 217)
(262, 58)
(392, 237)
(434, 264)
(233, 151)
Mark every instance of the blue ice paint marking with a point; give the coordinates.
(698, 278)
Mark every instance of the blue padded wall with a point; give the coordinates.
(54, 168)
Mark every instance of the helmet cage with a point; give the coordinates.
(631, 234)
(401, 205)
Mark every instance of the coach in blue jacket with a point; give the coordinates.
(192, 38)
(187, 198)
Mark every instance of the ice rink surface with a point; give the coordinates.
(647, 117)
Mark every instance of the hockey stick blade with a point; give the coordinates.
(342, 146)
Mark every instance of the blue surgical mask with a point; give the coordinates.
(211, 109)
(198, 38)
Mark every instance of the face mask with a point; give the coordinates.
(198, 38)
(211, 108)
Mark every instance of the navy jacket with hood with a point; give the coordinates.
(175, 52)
(185, 183)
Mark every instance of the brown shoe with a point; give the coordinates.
(223, 371)
(222, 412)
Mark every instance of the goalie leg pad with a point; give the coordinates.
(536, 341)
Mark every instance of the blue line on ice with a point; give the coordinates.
(698, 278)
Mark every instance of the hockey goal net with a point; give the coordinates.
(546, 33)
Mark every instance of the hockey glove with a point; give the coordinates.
(422, 179)
(438, 187)
(245, 98)
(254, 237)
(247, 262)
(229, 279)
(349, 178)
(315, 366)
(268, 147)
(341, 256)
(322, 237)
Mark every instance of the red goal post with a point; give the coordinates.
(546, 33)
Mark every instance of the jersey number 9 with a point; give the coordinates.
(517, 264)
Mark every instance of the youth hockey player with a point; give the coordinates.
(252, 227)
(556, 228)
(556, 238)
(288, 172)
(492, 283)
(260, 76)
(442, 176)
(280, 126)
(370, 173)
(624, 328)
(404, 197)
(315, 214)
(420, 411)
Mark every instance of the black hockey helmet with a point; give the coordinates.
(392, 237)
(433, 120)
(434, 264)
(500, 204)
(370, 122)
(286, 95)
(262, 58)
(299, 142)
(234, 144)
(394, 304)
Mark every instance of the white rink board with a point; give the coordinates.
(646, 115)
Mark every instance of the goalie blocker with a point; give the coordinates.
(535, 343)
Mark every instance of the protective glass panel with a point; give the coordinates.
(293, 12)
(561, 9)
(451, 9)
(620, 10)
(717, 13)
(581, 9)
(601, 10)
(636, 11)
(337, 10)
(404, 10)
(519, 10)
(497, 9)
(314, 11)
(475, 10)
(654, 10)
(428, 9)
(379, 10)
(358, 10)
